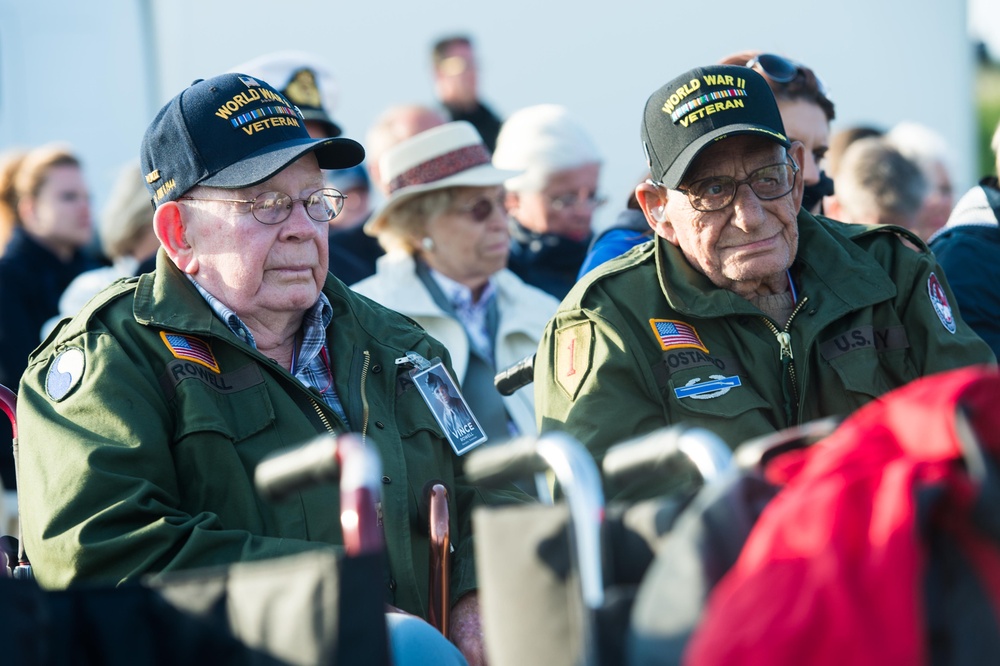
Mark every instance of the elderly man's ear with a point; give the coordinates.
(653, 202)
(798, 153)
(171, 230)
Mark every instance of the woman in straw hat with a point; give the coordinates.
(445, 231)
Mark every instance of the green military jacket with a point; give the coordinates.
(646, 341)
(145, 464)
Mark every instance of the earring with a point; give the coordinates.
(427, 243)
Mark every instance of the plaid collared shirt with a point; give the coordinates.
(310, 362)
(473, 315)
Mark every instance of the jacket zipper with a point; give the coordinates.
(364, 421)
(788, 364)
(322, 417)
(364, 424)
(364, 396)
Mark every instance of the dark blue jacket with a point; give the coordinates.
(31, 281)
(968, 247)
(546, 261)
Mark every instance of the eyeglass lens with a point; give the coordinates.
(568, 201)
(275, 207)
(482, 209)
(717, 192)
(775, 67)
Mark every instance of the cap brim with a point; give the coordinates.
(258, 167)
(483, 175)
(321, 116)
(675, 174)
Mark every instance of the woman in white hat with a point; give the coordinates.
(445, 231)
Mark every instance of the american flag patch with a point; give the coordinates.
(190, 348)
(676, 335)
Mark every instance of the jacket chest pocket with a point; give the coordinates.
(234, 405)
(869, 361)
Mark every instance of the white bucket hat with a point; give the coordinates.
(449, 155)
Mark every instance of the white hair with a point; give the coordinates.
(542, 140)
(920, 144)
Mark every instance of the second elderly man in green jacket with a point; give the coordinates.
(745, 315)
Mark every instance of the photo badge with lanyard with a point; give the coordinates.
(446, 402)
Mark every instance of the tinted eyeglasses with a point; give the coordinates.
(275, 207)
(717, 192)
(782, 70)
(482, 209)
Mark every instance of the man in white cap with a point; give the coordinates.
(552, 202)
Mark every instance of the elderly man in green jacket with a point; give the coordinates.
(745, 315)
(142, 419)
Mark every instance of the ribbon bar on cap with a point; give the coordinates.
(263, 112)
(442, 167)
(680, 111)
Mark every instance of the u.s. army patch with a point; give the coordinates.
(574, 351)
(65, 372)
(190, 348)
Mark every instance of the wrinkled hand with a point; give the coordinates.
(466, 632)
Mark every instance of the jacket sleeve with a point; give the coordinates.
(100, 493)
(592, 385)
(967, 255)
(930, 314)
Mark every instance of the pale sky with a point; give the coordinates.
(984, 23)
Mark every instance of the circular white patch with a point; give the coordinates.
(65, 372)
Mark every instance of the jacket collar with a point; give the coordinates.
(828, 267)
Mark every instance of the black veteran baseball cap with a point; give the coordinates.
(702, 106)
(230, 131)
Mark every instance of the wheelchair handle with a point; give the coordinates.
(516, 376)
(649, 455)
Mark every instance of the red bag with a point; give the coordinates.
(835, 570)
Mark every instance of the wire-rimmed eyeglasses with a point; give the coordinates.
(275, 207)
(716, 192)
(591, 201)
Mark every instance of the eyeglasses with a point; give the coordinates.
(482, 209)
(567, 201)
(782, 70)
(274, 207)
(717, 192)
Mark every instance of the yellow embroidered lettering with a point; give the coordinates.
(679, 94)
(165, 189)
(270, 96)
